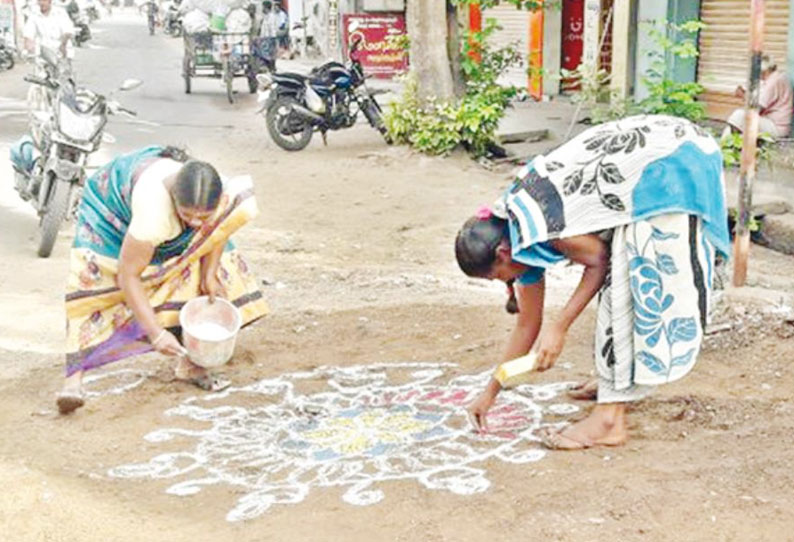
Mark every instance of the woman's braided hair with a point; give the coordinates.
(475, 249)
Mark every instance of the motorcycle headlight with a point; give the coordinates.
(76, 126)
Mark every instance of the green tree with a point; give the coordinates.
(451, 94)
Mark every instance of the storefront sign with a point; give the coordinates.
(377, 51)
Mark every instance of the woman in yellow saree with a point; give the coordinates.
(152, 233)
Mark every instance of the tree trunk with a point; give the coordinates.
(453, 49)
(427, 30)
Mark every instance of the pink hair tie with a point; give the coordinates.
(484, 213)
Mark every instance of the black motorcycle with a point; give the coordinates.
(7, 53)
(330, 98)
(80, 22)
(172, 21)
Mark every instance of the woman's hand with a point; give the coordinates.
(211, 286)
(550, 346)
(165, 343)
(210, 264)
(478, 409)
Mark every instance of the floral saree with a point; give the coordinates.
(101, 328)
(655, 183)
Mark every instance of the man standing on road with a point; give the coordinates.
(49, 27)
(268, 32)
(283, 27)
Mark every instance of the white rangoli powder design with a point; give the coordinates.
(366, 426)
(113, 382)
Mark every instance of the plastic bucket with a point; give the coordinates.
(209, 330)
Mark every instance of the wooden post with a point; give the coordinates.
(741, 244)
(536, 54)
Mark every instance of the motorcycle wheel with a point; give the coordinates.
(151, 27)
(252, 83)
(6, 61)
(374, 115)
(278, 114)
(51, 221)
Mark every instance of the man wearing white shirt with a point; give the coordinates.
(49, 27)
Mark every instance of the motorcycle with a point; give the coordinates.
(7, 52)
(80, 21)
(91, 10)
(172, 20)
(330, 98)
(49, 166)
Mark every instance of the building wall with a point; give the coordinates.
(552, 51)
(650, 15)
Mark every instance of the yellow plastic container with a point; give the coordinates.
(516, 371)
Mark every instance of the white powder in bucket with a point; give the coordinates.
(209, 331)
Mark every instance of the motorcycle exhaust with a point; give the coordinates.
(302, 111)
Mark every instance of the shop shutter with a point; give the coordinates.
(514, 32)
(724, 60)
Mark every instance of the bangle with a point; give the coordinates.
(159, 337)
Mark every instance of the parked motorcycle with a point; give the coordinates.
(7, 52)
(330, 98)
(80, 22)
(49, 166)
(91, 10)
(172, 20)
(93, 13)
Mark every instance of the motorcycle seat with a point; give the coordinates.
(289, 79)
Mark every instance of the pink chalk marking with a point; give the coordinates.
(406, 396)
(457, 397)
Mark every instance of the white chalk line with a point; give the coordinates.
(358, 432)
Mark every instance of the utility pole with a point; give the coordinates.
(741, 242)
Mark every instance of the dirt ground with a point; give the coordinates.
(354, 248)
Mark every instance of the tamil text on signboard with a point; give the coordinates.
(378, 51)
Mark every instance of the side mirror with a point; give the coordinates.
(130, 84)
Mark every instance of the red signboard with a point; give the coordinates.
(377, 52)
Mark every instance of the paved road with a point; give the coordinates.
(121, 49)
(232, 137)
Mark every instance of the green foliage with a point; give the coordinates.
(529, 5)
(753, 224)
(665, 95)
(731, 146)
(436, 127)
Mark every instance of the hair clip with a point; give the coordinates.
(484, 212)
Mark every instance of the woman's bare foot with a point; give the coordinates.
(71, 396)
(605, 426)
(199, 376)
(584, 391)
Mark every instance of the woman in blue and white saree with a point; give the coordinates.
(640, 203)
